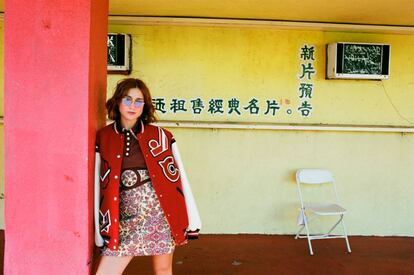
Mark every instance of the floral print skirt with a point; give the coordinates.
(143, 229)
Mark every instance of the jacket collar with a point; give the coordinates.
(136, 129)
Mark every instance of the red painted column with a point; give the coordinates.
(55, 79)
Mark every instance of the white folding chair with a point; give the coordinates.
(309, 211)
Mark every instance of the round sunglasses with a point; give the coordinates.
(127, 101)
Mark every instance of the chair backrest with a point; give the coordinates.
(314, 177)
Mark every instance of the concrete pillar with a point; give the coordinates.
(55, 86)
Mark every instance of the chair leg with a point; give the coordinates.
(307, 234)
(300, 230)
(346, 235)
(336, 224)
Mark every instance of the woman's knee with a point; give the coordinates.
(162, 264)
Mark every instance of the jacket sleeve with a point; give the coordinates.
(194, 221)
(97, 186)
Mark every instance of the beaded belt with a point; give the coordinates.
(132, 178)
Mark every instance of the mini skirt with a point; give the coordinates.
(143, 228)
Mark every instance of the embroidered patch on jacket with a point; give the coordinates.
(104, 221)
(104, 174)
(168, 168)
(159, 146)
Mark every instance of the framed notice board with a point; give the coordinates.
(358, 60)
(119, 53)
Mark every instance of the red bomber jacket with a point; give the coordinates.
(160, 154)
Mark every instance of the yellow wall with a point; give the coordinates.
(243, 180)
(210, 62)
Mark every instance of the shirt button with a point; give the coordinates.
(128, 138)
(115, 220)
(127, 143)
(115, 198)
(114, 247)
(126, 154)
(127, 133)
(118, 156)
(114, 240)
(161, 196)
(116, 177)
(127, 148)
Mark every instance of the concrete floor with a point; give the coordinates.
(281, 254)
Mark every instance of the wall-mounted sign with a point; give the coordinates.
(358, 60)
(265, 107)
(119, 53)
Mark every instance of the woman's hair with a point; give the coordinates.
(121, 90)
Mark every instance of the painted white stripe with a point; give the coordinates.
(277, 24)
(274, 126)
(292, 127)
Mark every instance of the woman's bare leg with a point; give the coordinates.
(162, 264)
(111, 265)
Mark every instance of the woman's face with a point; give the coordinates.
(131, 106)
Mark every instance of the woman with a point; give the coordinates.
(143, 203)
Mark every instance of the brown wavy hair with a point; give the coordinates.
(121, 90)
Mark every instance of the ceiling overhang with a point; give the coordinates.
(366, 12)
